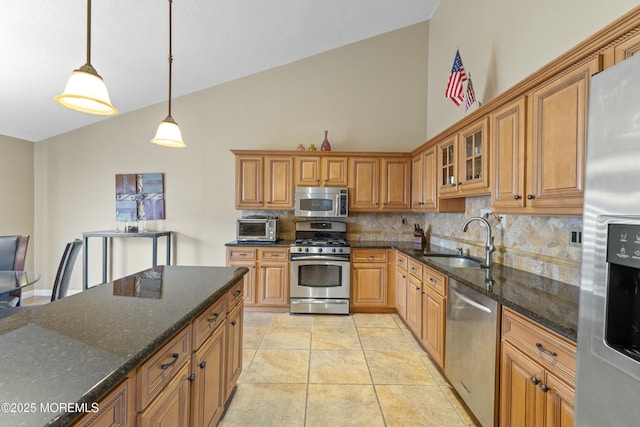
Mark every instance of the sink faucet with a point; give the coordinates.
(489, 247)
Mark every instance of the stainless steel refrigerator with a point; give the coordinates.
(608, 366)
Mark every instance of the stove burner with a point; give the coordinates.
(321, 242)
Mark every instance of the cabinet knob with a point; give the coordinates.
(544, 388)
(233, 322)
(202, 364)
(516, 197)
(534, 380)
(530, 197)
(417, 288)
(459, 183)
(192, 377)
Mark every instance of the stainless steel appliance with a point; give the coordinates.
(608, 365)
(471, 342)
(320, 268)
(257, 228)
(322, 202)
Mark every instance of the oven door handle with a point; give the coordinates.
(319, 258)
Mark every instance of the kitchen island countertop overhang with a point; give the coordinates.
(70, 353)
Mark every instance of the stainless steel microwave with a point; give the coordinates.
(321, 202)
(257, 228)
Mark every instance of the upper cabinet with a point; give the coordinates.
(557, 129)
(379, 183)
(424, 185)
(320, 171)
(264, 182)
(463, 162)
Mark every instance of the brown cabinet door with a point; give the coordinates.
(334, 172)
(369, 285)
(249, 182)
(307, 172)
(473, 158)
(171, 407)
(396, 183)
(521, 398)
(417, 183)
(278, 183)
(558, 128)
(364, 184)
(559, 403)
(118, 408)
(433, 324)
(273, 283)
(448, 166)
(208, 387)
(233, 343)
(401, 293)
(414, 305)
(508, 131)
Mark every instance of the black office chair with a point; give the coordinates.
(13, 256)
(63, 277)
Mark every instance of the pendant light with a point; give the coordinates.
(85, 90)
(168, 133)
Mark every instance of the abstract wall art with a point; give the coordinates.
(139, 197)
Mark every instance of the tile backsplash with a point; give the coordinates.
(538, 244)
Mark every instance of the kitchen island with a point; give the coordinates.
(59, 360)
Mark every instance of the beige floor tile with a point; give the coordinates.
(257, 318)
(287, 338)
(292, 320)
(335, 339)
(331, 321)
(267, 405)
(410, 406)
(278, 366)
(374, 320)
(252, 336)
(398, 367)
(387, 339)
(338, 367)
(436, 373)
(342, 405)
(468, 420)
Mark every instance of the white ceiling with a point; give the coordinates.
(214, 41)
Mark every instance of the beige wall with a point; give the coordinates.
(16, 190)
(503, 41)
(370, 96)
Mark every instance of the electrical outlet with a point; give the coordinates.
(502, 221)
(404, 221)
(484, 213)
(575, 237)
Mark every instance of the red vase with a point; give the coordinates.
(325, 144)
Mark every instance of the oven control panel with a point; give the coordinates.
(328, 250)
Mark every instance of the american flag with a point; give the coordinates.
(471, 96)
(456, 79)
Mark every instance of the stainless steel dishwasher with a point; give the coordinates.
(471, 349)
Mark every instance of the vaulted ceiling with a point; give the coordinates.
(214, 41)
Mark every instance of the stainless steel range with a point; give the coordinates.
(320, 268)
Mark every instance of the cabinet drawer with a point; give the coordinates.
(555, 353)
(273, 254)
(402, 261)
(415, 268)
(434, 280)
(156, 372)
(208, 321)
(235, 295)
(369, 255)
(237, 254)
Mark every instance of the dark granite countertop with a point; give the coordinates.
(75, 350)
(549, 302)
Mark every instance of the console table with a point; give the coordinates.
(107, 239)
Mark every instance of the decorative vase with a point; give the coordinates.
(312, 147)
(300, 147)
(325, 144)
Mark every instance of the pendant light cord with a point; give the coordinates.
(170, 54)
(88, 31)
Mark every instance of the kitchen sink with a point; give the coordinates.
(457, 261)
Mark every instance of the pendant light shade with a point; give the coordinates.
(85, 90)
(168, 133)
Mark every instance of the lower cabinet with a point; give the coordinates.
(401, 284)
(188, 381)
(537, 374)
(368, 279)
(267, 283)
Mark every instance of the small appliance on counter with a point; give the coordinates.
(257, 228)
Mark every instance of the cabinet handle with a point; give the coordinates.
(236, 294)
(213, 318)
(432, 280)
(544, 388)
(534, 380)
(168, 365)
(517, 197)
(545, 351)
(202, 364)
(233, 322)
(192, 377)
(417, 288)
(530, 197)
